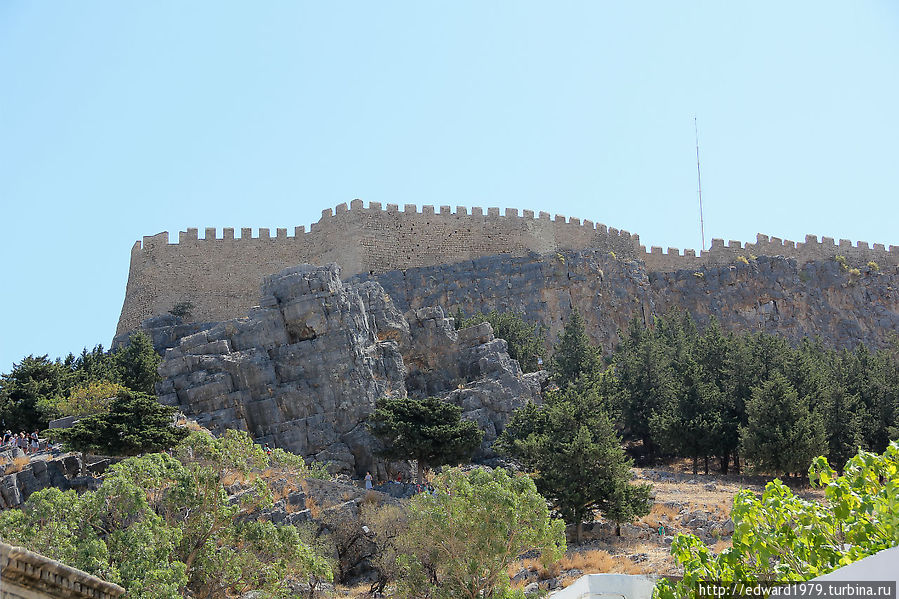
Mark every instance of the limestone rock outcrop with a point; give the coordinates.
(304, 369)
(64, 472)
(818, 299)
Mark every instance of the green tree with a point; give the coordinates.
(647, 381)
(693, 424)
(573, 354)
(472, 528)
(135, 423)
(525, 341)
(30, 381)
(95, 365)
(84, 399)
(575, 454)
(428, 430)
(137, 363)
(781, 433)
(843, 418)
(782, 537)
(164, 527)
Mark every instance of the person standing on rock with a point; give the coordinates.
(368, 480)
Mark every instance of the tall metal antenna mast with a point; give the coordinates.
(699, 179)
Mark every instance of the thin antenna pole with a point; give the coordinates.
(699, 179)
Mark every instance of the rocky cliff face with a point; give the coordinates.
(304, 370)
(777, 295)
(63, 472)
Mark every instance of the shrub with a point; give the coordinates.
(855, 272)
(782, 537)
(470, 531)
(873, 267)
(182, 309)
(742, 259)
(841, 260)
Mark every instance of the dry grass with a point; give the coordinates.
(17, 465)
(372, 498)
(592, 561)
(660, 514)
(232, 477)
(359, 591)
(193, 426)
(721, 545)
(315, 510)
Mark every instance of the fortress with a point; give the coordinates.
(220, 276)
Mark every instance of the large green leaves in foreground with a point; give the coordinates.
(466, 534)
(779, 536)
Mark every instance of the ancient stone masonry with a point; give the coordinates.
(304, 370)
(220, 273)
(777, 295)
(28, 575)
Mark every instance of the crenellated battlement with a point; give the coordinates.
(220, 272)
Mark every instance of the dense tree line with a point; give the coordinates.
(708, 394)
(39, 389)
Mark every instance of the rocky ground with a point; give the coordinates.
(683, 504)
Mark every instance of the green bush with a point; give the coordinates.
(464, 537)
(782, 537)
(873, 267)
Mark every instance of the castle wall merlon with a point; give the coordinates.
(380, 238)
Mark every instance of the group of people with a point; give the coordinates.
(27, 442)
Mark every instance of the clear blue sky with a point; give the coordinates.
(123, 119)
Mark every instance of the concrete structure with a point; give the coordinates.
(608, 586)
(28, 575)
(220, 273)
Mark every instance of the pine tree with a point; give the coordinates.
(646, 380)
(135, 423)
(573, 354)
(692, 426)
(782, 434)
(137, 364)
(430, 431)
(577, 459)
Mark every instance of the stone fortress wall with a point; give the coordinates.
(220, 276)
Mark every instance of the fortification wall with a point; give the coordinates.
(220, 273)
